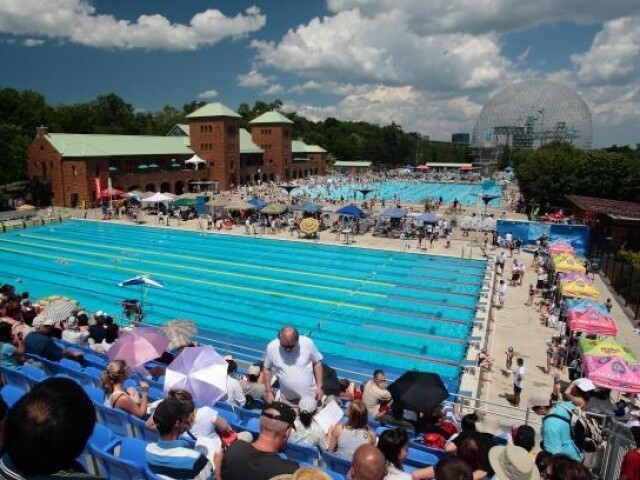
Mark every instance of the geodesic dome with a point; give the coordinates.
(530, 114)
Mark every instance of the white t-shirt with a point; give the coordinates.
(235, 396)
(518, 376)
(294, 369)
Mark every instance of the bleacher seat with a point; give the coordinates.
(302, 453)
(94, 373)
(336, 463)
(252, 426)
(34, 374)
(15, 377)
(220, 405)
(96, 361)
(141, 431)
(100, 438)
(51, 367)
(115, 419)
(421, 446)
(123, 459)
(70, 364)
(11, 394)
(96, 394)
(229, 416)
(420, 459)
(246, 414)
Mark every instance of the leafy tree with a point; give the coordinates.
(13, 147)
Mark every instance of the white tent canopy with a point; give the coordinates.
(195, 160)
(158, 197)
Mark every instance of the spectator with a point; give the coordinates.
(542, 461)
(556, 426)
(524, 436)
(129, 400)
(97, 330)
(518, 381)
(344, 439)
(562, 467)
(260, 460)
(171, 457)
(375, 394)
(11, 347)
(252, 386)
(368, 463)
(468, 430)
(72, 332)
(38, 342)
(296, 362)
(306, 430)
(630, 469)
(452, 468)
(394, 445)
(46, 430)
(513, 463)
(235, 396)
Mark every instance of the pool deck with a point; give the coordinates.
(516, 325)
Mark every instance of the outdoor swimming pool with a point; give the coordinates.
(412, 192)
(363, 307)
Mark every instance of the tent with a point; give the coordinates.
(427, 218)
(583, 304)
(560, 246)
(567, 263)
(605, 348)
(592, 322)
(612, 372)
(578, 288)
(393, 212)
(195, 160)
(351, 211)
(157, 198)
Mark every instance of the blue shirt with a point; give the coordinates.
(8, 355)
(41, 345)
(556, 432)
(175, 459)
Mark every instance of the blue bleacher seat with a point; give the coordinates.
(252, 426)
(15, 377)
(220, 405)
(229, 416)
(420, 459)
(302, 453)
(51, 367)
(94, 373)
(11, 394)
(123, 459)
(336, 463)
(96, 394)
(98, 361)
(141, 431)
(155, 394)
(421, 446)
(115, 419)
(246, 414)
(100, 437)
(34, 374)
(70, 364)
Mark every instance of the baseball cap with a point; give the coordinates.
(253, 370)
(539, 400)
(228, 358)
(284, 413)
(308, 404)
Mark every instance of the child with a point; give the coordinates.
(532, 292)
(556, 394)
(509, 359)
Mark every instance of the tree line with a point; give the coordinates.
(385, 146)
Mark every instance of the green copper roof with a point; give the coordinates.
(298, 146)
(88, 145)
(270, 117)
(214, 110)
(352, 164)
(246, 143)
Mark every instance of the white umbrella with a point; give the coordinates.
(157, 198)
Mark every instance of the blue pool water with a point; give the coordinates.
(412, 192)
(362, 307)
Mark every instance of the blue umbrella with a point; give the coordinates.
(310, 208)
(351, 211)
(143, 281)
(428, 218)
(258, 202)
(394, 212)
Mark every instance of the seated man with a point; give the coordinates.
(260, 460)
(39, 342)
(54, 410)
(376, 396)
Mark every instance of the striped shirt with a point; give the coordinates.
(174, 459)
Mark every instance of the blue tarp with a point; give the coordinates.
(351, 211)
(576, 235)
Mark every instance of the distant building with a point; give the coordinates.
(461, 139)
(212, 147)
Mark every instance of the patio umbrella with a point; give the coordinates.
(393, 212)
(428, 218)
(419, 391)
(55, 311)
(592, 322)
(612, 372)
(288, 188)
(351, 211)
(238, 205)
(115, 192)
(310, 208)
(184, 202)
(309, 225)
(365, 191)
(179, 332)
(217, 202)
(201, 372)
(139, 346)
(274, 209)
(487, 198)
(258, 202)
(605, 348)
(143, 281)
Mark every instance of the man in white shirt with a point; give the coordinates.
(296, 362)
(375, 394)
(518, 381)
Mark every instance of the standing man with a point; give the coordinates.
(375, 394)
(296, 362)
(518, 381)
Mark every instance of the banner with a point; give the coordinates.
(97, 182)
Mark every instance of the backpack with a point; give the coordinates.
(586, 432)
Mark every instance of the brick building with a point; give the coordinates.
(72, 168)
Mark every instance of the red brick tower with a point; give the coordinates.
(271, 131)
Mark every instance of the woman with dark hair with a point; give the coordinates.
(562, 467)
(344, 439)
(306, 430)
(11, 347)
(394, 445)
(525, 436)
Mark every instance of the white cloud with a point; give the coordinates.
(79, 22)
(32, 42)
(274, 89)
(208, 94)
(252, 79)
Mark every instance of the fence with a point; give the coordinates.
(624, 277)
(619, 442)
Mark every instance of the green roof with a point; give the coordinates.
(214, 110)
(89, 145)
(246, 143)
(270, 117)
(298, 146)
(352, 164)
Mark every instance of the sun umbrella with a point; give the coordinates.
(365, 191)
(309, 225)
(351, 211)
(258, 202)
(58, 310)
(393, 212)
(605, 348)
(238, 205)
(612, 372)
(560, 247)
(184, 202)
(179, 332)
(143, 281)
(139, 346)
(310, 208)
(288, 188)
(114, 192)
(274, 209)
(419, 391)
(25, 207)
(593, 322)
(217, 202)
(201, 372)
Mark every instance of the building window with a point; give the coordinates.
(74, 171)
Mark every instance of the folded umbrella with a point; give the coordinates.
(139, 346)
(419, 391)
(201, 372)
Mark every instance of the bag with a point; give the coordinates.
(434, 440)
(227, 437)
(586, 433)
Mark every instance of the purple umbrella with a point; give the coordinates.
(201, 372)
(139, 346)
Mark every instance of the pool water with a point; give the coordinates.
(378, 308)
(412, 192)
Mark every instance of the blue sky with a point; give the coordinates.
(429, 66)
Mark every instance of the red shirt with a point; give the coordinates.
(631, 465)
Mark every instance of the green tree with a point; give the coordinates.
(13, 149)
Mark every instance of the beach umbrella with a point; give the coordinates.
(593, 322)
(309, 225)
(612, 372)
(393, 212)
(351, 211)
(419, 391)
(114, 192)
(184, 202)
(142, 281)
(288, 188)
(179, 332)
(365, 191)
(274, 209)
(258, 202)
(201, 372)
(238, 205)
(429, 218)
(310, 208)
(138, 346)
(605, 347)
(55, 311)
(217, 202)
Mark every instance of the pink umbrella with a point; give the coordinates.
(560, 247)
(139, 346)
(592, 321)
(612, 372)
(201, 372)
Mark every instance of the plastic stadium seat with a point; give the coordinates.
(302, 453)
(34, 374)
(94, 373)
(252, 426)
(229, 416)
(70, 364)
(420, 459)
(141, 431)
(246, 414)
(96, 394)
(220, 405)
(52, 368)
(155, 394)
(15, 377)
(414, 444)
(336, 463)
(115, 419)
(97, 361)
(11, 394)
(100, 438)
(123, 459)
